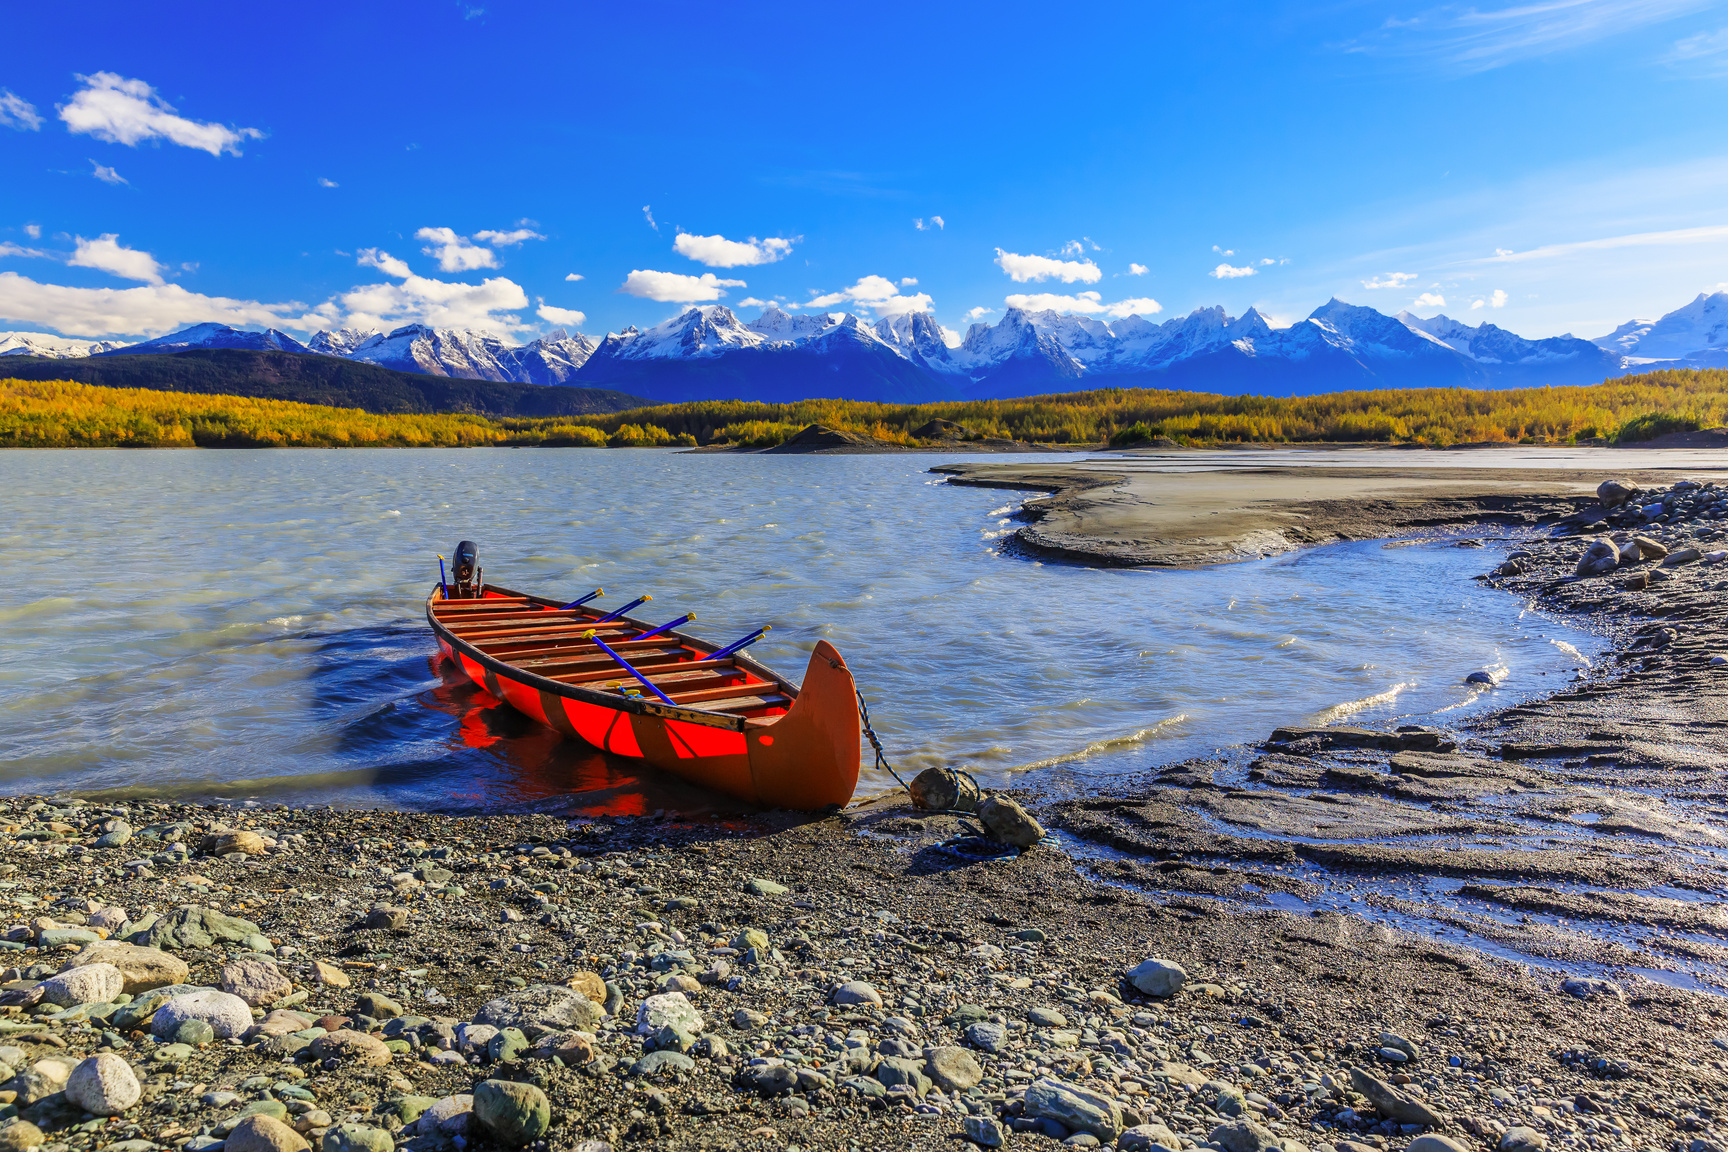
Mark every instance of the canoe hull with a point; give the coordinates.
(805, 759)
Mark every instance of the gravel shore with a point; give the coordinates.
(1163, 972)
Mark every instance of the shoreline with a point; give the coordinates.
(1306, 1030)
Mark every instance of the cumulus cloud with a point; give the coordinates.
(573, 277)
(563, 317)
(146, 310)
(325, 182)
(648, 215)
(978, 313)
(122, 111)
(1429, 300)
(1226, 272)
(455, 253)
(420, 299)
(1497, 300)
(1022, 269)
(936, 222)
(677, 288)
(1390, 280)
(34, 231)
(908, 281)
(752, 302)
(1138, 269)
(106, 254)
(877, 293)
(1089, 303)
(106, 174)
(384, 262)
(18, 113)
(507, 239)
(718, 252)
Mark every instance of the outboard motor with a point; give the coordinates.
(465, 571)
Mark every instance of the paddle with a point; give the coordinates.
(614, 615)
(441, 583)
(738, 644)
(666, 627)
(625, 664)
(581, 600)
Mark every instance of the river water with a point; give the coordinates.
(249, 624)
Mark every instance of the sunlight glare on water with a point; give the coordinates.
(229, 623)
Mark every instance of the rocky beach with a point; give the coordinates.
(1494, 935)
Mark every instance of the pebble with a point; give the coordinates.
(258, 1133)
(1008, 822)
(346, 1046)
(357, 1138)
(856, 992)
(1158, 977)
(515, 1114)
(257, 982)
(88, 984)
(1522, 1139)
(103, 1085)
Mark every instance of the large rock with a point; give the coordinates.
(855, 992)
(953, 1069)
(103, 1085)
(259, 1133)
(41, 1080)
(1156, 977)
(1599, 558)
(1147, 1137)
(1075, 1108)
(1391, 1103)
(258, 982)
(1008, 822)
(225, 843)
(1614, 493)
(87, 984)
(1432, 1142)
(190, 926)
(1244, 1136)
(944, 790)
(20, 1135)
(1521, 1139)
(548, 1007)
(449, 1116)
(671, 1008)
(1648, 549)
(227, 1014)
(1681, 556)
(141, 969)
(346, 1046)
(895, 1070)
(357, 1138)
(515, 1114)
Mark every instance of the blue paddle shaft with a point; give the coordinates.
(441, 582)
(625, 664)
(581, 600)
(737, 644)
(666, 627)
(608, 618)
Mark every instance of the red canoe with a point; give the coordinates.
(731, 724)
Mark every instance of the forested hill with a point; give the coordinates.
(326, 380)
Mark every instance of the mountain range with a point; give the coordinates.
(710, 353)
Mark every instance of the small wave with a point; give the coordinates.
(1112, 744)
(393, 512)
(1572, 652)
(284, 621)
(1002, 511)
(48, 607)
(1349, 708)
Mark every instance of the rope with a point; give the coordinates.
(968, 847)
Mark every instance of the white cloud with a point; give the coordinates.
(1138, 269)
(1390, 280)
(563, 317)
(1073, 248)
(1503, 252)
(573, 277)
(908, 281)
(978, 313)
(108, 255)
(936, 222)
(877, 293)
(1089, 303)
(1267, 260)
(1225, 272)
(1633, 240)
(648, 215)
(34, 231)
(106, 174)
(7, 248)
(1223, 251)
(718, 252)
(507, 239)
(384, 262)
(752, 302)
(146, 310)
(1497, 300)
(455, 253)
(1429, 300)
(1467, 39)
(1703, 46)
(1022, 269)
(422, 300)
(324, 182)
(675, 287)
(122, 111)
(16, 112)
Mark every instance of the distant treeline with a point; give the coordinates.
(58, 414)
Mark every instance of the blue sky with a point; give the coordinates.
(1555, 166)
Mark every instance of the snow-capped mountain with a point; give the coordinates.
(51, 347)
(1695, 331)
(709, 352)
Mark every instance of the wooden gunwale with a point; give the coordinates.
(710, 717)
